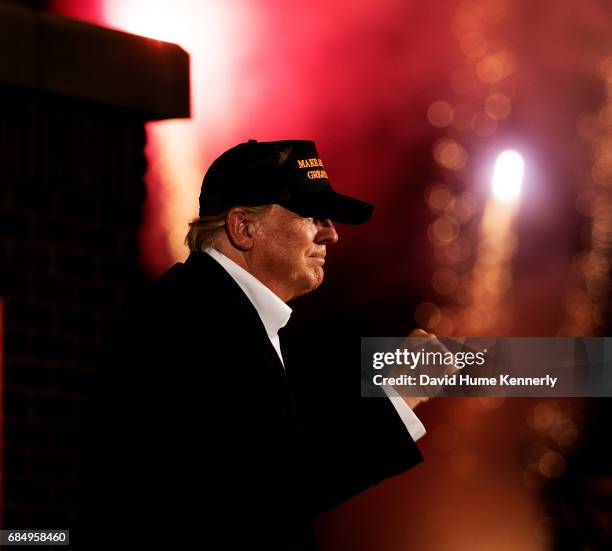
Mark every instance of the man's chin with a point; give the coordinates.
(313, 283)
(319, 275)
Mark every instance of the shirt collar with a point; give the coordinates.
(274, 313)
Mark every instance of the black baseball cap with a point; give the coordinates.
(289, 173)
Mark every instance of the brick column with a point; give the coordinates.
(73, 102)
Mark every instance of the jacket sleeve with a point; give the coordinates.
(353, 443)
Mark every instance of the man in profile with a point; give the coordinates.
(222, 426)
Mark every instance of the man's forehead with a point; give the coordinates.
(282, 218)
(281, 212)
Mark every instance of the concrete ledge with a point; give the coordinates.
(67, 57)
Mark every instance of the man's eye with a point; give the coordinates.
(309, 219)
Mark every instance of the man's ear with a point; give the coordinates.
(239, 229)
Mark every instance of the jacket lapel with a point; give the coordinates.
(203, 268)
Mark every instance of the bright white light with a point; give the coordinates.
(508, 175)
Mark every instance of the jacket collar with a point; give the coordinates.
(204, 271)
(274, 313)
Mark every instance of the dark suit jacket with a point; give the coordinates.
(199, 434)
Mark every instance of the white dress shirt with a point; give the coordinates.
(275, 314)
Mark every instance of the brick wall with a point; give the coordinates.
(71, 186)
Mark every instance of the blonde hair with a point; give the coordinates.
(203, 230)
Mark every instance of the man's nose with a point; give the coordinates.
(326, 233)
